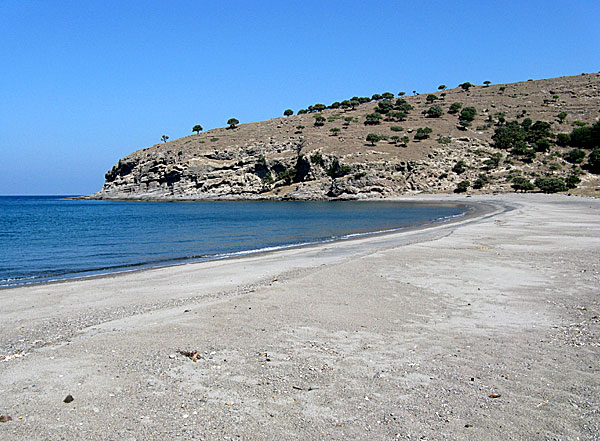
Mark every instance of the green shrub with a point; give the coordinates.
(454, 108)
(593, 164)
(543, 145)
(563, 139)
(551, 185)
(319, 107)
(387, 95)
(459, 167)
(574, 156)
(465, 86)
(572, 180)
(215, 139)
(396, 128)
(435, 112)
(288, 112)
(316, 158)
(562, 116)
(376, 97)
(232, 122)
(468, 114)
(402, 105)
(520, 183)
(481, 181)
(373, 119)
(302, 112)
(431, 98)
(337, 170)
(373, 138)
(462, 186)
(444, 140)
(287, 176)
(197, 128)
(441, 87)
(587, 137)
(398, 116)
(319, 120)
(423, 133)
(493, 162)
(335, 131)
(384, 107)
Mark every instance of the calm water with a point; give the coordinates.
(48, 238)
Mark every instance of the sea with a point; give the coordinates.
(49, 238)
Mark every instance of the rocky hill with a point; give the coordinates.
(325, 154)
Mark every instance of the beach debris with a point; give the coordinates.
(172, 356)
(187, 310)
(468, 425)
(192, 355)
(5, 418)
(69, 398)
(229, 403)
(495, 395)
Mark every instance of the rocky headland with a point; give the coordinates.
(424, 143)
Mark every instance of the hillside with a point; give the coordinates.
(292, 158)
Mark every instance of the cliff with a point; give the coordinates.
(294, 158)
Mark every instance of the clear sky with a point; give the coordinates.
(86, 82)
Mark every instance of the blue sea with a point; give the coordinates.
(46, 238)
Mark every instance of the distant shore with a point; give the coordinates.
(485, 327)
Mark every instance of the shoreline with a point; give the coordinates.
(485, 328)
(471, 210)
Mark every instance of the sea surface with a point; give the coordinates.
(46, 238)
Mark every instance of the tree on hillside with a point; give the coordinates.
(319, 107)
(487, 83)
(431, 98)
(232, 123)
(401, 93)
(288, 112)
(197, 128)
(164, 138)
(387, 95)
(465, 86)
(434, 112)
(441, 87)
(454, 107)
(373, 138)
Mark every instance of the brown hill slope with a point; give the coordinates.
(279, 158)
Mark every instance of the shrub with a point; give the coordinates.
(337, 170)
(481, 181)
(384, 106)
(302, 112)
(574, 156)
(376, 97)
(335, 131)
(459, 167)
(593, 163)
(401, 93)
(562, 116)
(572, 180)
(444, 140)
(387, 95)
(431, 98)
(288, 112)
(454, 107)
(563, 139)
(215, 139)
(372, 119)
(462, 186)
(404, 140)
(508, 135)
(402, 105)
(520, 183)
(335, 105)
(468, 114)
(373, 138)
(435, 112)
(197, 128)
(398, 116)
(465, 86)
(441, 87)
(587, 137)
(319, 120)
(232, 123)
(300, 127)
(502, 88)
(422, 133)
(551, 185)
(287, 176)
(354, 104)
(396, 129)
(319, 107)
(317, 158)
(543, 145)
(493, 162)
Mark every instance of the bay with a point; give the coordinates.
(46, 238)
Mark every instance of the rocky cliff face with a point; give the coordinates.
(292, 158)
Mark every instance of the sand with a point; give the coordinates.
(486, 328)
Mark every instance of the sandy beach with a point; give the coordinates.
(484, 328)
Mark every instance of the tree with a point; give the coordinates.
(387, 95)
(302, 112)
(487, 83)
(431, 98)
(354, 103)
(522, 184)
(288, 112)
(164, 138)
(468, 114)
(462, 186)
(319, 107)
(574, 156)
(345, 104)
(376, 97)
(401, 93)
(319, 121)
(197, 128)
(434, 112)
(373, 138)
(551, 185)
(593, 164)
(481, 181)
(459, 167)
(465, 86)
(232, 123)
(372, 119)
(422, 133)
(384, 106)
(335, 131)
(442, 87)
(454, 107)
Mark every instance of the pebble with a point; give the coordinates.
(68, 398)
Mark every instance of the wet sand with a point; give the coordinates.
(485, 328)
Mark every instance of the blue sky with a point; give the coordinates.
(84, 83)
